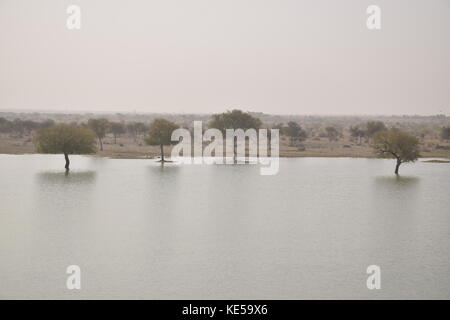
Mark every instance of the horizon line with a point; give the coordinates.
(110, 112)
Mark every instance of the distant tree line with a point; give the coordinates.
(23, 127)
(295, 132)
(100, 126)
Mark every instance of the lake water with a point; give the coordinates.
(139, 230)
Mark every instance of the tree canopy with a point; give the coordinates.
(160, 133)
(65, 139)
(235, 119)
(397, 144)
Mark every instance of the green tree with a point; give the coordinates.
(374, 127)
(295, 132)
(66, 140)
(445, 133)
(117, 128)
(100, 127)
(235, 119)
(160, 134)
(396, 144)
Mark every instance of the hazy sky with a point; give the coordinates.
(273, 56)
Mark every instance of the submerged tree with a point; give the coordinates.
(396, 144)
(160, 133)
(65, 139)
(100, 127)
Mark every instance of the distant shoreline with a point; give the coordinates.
(442, 159)
(126, 148)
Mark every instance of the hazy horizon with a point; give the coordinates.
(203, 57)
(127, 112)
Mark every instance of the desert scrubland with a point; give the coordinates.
(320, 136)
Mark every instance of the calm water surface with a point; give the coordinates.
(138, 230)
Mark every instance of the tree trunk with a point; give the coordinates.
(101, 144)
(235, 149)
(67, 161)
(162, 153)
(397, 166)
(115, 139)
